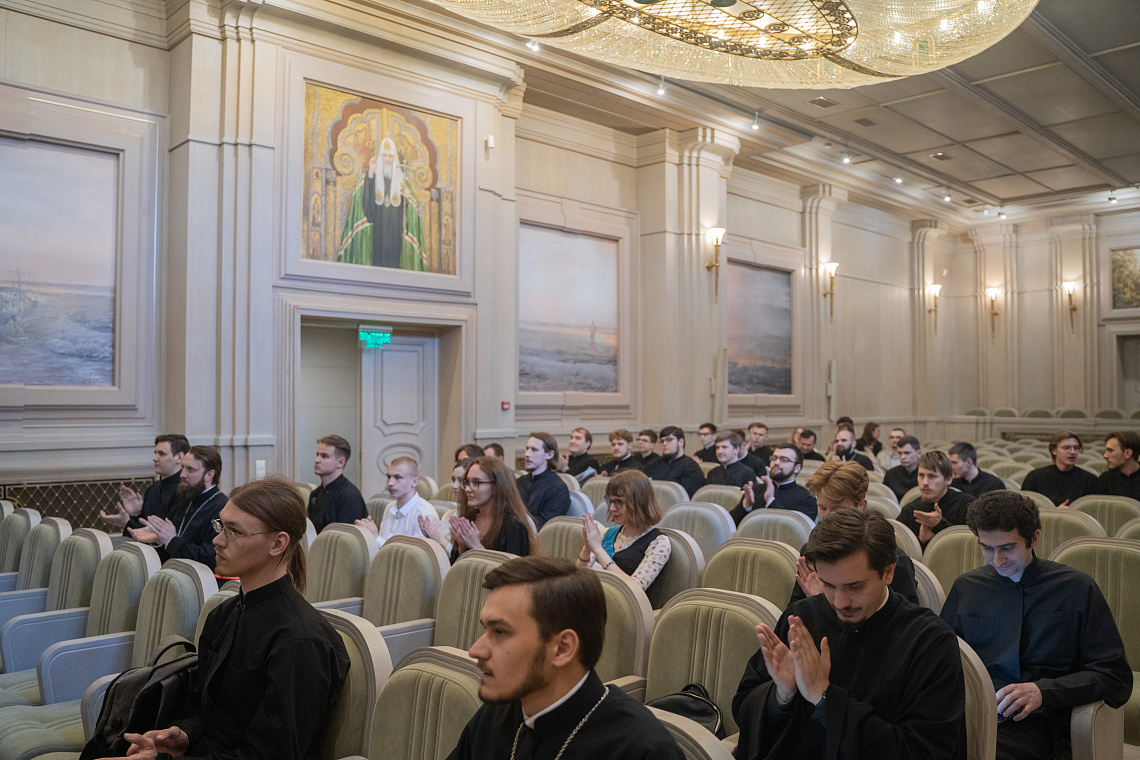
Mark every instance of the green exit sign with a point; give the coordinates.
(374, 337)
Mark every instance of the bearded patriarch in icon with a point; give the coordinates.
(384, 224)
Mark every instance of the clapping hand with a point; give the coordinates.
(162, 528)
(807, 578)
(591, 535)
(430, 530)
(813, 666)
(369, 525)
(119, 518)
(465, 532)
(778, 660)
(130, 500)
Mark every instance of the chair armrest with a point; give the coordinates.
(354, 757)
(13, 603)
(1097, 732)
(694, 739)
(730, 742)
(353, 605)
(8, 581)
(25, 637)
(92, 704)
(402, 638)
(634, 686)
(68, 668)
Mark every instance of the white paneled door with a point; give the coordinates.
(398, 408)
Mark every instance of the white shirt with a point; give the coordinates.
(404, 521)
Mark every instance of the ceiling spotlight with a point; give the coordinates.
(898, 179)
(946, 195)
(756, 121)
(845, 158)
(661, 86)
(1001, 212)
(1112, 196)
(533, 45)
(985, 210)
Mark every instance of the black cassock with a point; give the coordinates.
(1054, 629)
(896, 691)
(620, 728)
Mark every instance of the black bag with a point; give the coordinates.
(693, 702)
(147, 698)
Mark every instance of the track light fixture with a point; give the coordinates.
(661, 86)
(756, 121)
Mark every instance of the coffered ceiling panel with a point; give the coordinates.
(1011, 187)
(1019, 152)
(890, 130)
(1124, 65)
(816, 104)
(952, 116)
(1095, 26)
(1016, 52)
(904, 88)
(1103, 136)
(1052, 95)
(1066, 178)
(960, 162)
(1126, 166)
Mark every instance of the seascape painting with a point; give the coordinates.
(1126, 278)
(759, 330)
(568, 311)
(381, 185)
(57, 264)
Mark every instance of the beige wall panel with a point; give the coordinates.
(52, 56)
(570, 174)
(758, 220)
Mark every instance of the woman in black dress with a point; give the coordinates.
(491, 514)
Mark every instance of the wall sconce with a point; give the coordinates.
(992, 294)
(1069, 288)
(934, 290)
(829, 289)
(716, 237)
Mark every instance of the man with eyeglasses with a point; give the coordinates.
(674, 465)
(781, 491)
(271, 666)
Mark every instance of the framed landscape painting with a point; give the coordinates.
(759, 330)
(568, 311)
(58, 243)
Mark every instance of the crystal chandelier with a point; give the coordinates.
(761, 43)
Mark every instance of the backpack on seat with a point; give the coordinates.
(146, 698)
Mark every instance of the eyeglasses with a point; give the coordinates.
(616, 501)
(234, 535)
(784, 460)
(469, 483)
(669, 439)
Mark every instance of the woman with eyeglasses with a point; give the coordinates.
(633, 546)
(491, 514)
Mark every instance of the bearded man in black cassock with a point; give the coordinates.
(857, 671)
(545, 624)
(1043, 630)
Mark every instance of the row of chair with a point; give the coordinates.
(481, 562)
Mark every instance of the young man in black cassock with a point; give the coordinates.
(1122, 478)
(732, 470)
(674, 465)
(843, 485)
(544, 624)
(272, 667)
(904, 477)
(781, 491)
(336, 499)
(967, 477)
(940, 505)
(1043, 630)
(857, 672)
(1063, 482)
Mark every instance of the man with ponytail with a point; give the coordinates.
(271, 666)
